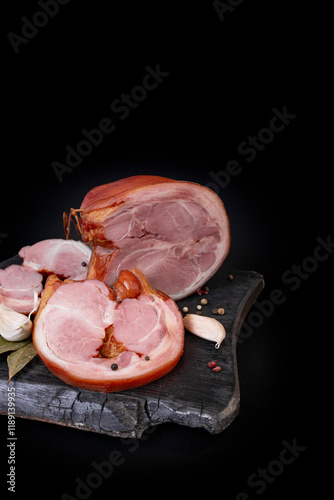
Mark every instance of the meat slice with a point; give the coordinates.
(17, 285)
(177, 233)
(108, 339)
(129, 328)
(65, 258)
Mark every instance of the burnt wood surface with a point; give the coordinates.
(191, 395)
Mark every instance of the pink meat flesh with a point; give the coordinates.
(17, 284)
(176, 244)
(65, 258)
(130, 330)
(79, 313)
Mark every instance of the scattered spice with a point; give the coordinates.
(185, 309)
(212, 364)
(147, 358)
(84, 264)
(204, 302)
(114, 366)
(216, 369)
(204, 290)
(230, 277)
(199, 307)
(215, 311)
(221, 310)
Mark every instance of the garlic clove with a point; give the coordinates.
(205, 327)
(15, 326)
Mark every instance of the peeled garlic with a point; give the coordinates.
(16, 326)
(205, 327)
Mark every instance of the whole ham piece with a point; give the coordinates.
(65, 258)
(108, 339)
(176, 232)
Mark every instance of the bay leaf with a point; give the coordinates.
(18, 359)
(7, 345)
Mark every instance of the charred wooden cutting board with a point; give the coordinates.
(191, 395)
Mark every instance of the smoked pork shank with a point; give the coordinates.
(177, 233)
(108, 339)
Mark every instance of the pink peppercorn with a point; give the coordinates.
(211, 364)
(217, 369)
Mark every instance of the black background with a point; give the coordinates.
(225, 78)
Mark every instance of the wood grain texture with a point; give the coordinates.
(191, 395)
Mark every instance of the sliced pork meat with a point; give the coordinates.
(177, 233)
(17, 285)
(108, 339)
(65, 258)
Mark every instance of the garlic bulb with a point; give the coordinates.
(205, 327)
(16, 326)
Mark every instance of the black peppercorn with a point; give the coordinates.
(147, 358)
(84, 264)
(114, 366)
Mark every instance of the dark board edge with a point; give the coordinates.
(229, 413)
(9, 262)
